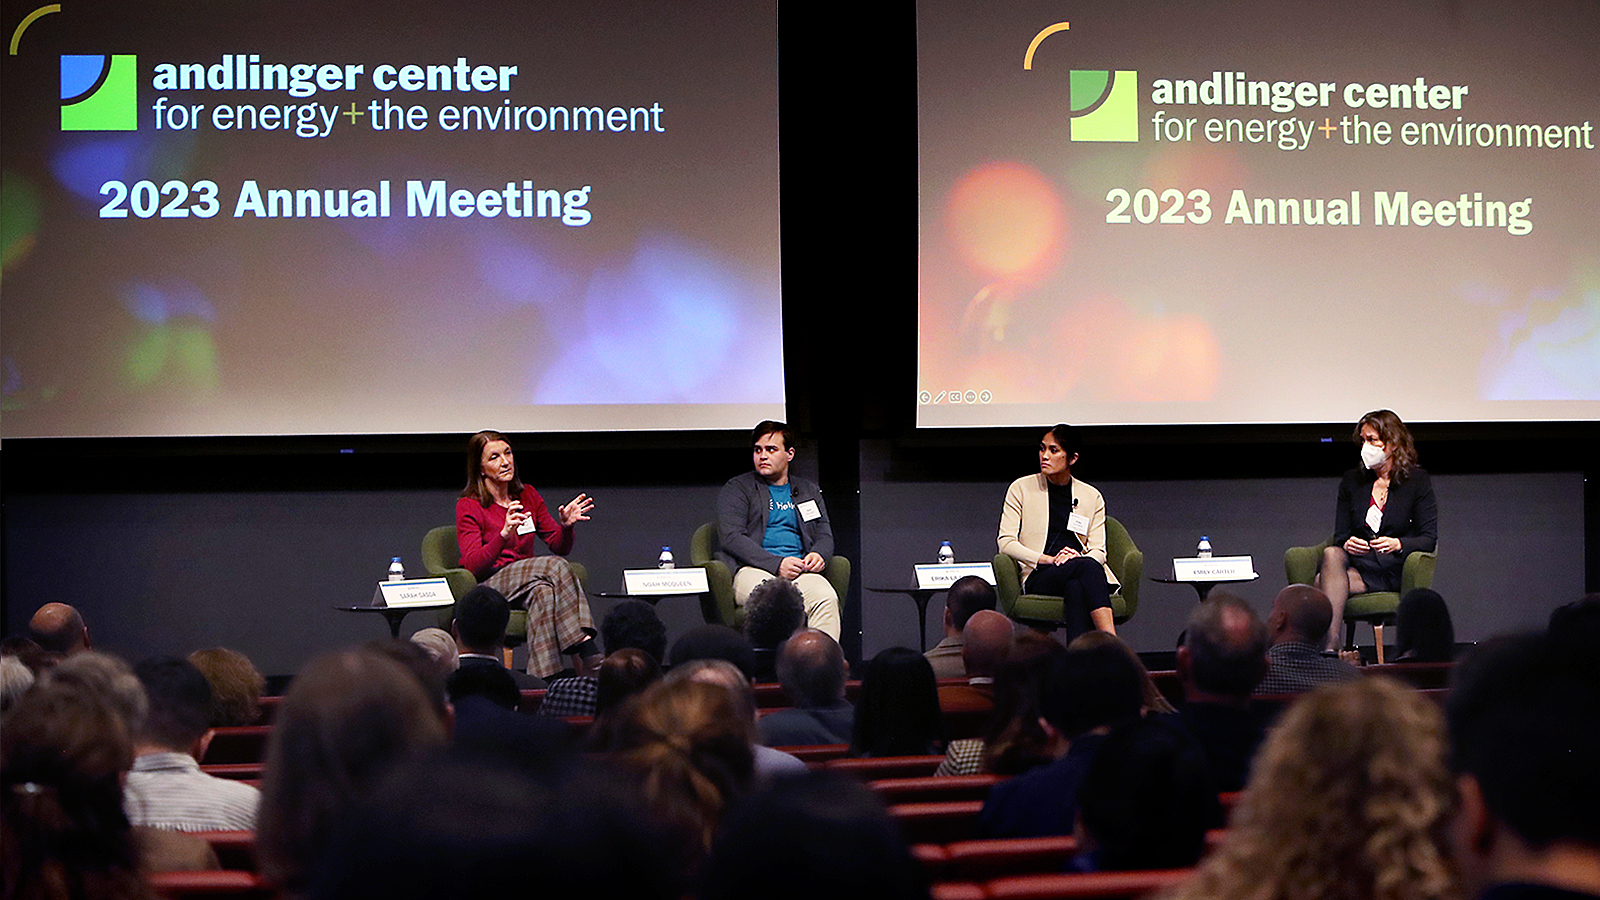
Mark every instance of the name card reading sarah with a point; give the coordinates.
(413, 592)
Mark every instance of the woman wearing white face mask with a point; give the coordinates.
(1386, 510)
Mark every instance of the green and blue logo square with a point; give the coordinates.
(1104, 105)
(100, 92)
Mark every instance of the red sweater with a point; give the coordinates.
(484, 552)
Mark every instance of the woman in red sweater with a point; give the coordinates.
(497, 518)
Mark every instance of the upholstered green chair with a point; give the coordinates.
(1043, 611)
(1377, 607)
(441, 556)
(717, 605)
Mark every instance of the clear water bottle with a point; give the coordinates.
(946, 555)
(664, 561)
(1203, 549)
(397, 570)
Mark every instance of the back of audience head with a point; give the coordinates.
(1577, 623)
(415, 660)
(723, 673)
(63, 832)
(1300, 614)
(35, 657)
(1014, 741)
(484, 827)
(59, 628)
(493, 683)
(1224, 651)
(811, 836)
(715, 642)
(236, 685)
(985, 642)
(1154, 700)
(1090, 689)
(1423, 630)
(346, 720)
(106, 677)
(774, 611)
(812, 670)
(1348, 798)
(15, 679)
(898, 711)
(480, 620)
(440, 647)
(634, 624)
(1526, 748)
(1148, 798)
(180, 704)
(623, 674)
(966, 596)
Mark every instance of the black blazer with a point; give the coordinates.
(1412, 514)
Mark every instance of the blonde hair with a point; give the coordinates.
(1348, 799)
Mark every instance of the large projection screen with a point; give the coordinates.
(315, 217)
(1147, 212)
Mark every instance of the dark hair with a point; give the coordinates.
(898, 711)
(493, 683)
(811, 669)
(770, 427)
(774, 610)
(481, 617)
(1148, 797)
(1220, 662)
(1066, 436)
(180, 702)
(1423, 628)
(634, 623)
(476, 488)
(1577, 622)
(1013, 742)
(1396, 438)
(623, 674)
(814, 835)
(715, 642)
(415, 660)
(1522, 721)
(968, 595)
(1086, 689)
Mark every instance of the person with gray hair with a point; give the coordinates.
(967, 596)
(812, 671)
(440, 647)
(106, 677)
(1222, 659)
(770, 763)
(15, 679)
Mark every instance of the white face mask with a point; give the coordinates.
(1371, 456)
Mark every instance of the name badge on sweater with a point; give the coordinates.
(809, 511)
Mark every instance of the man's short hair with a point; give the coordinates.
(715, 642)
(1086, 689)
(481, 617)
(967, 596)
(811, 669)
(1307, 611)
(770, 427)
(1223, 660)
(180, 702)
(634, 623)
(57, 628)
(774, 610)
(493, 683)
(719, 671)
(1522, 722)
(1578, 622)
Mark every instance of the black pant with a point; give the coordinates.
(1082, 586)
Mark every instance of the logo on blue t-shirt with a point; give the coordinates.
(782, 537)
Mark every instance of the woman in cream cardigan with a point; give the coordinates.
(1054, 526)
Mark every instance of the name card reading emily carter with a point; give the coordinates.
(940, 576)
(646, 582)
(413, 592)
(1220, 568)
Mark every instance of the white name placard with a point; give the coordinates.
(1217, 568)
(647, 582)
(937, 576)
(413, 592)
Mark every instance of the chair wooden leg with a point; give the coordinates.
(1377, 638)
(507, 655)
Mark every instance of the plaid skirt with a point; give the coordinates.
(558, 611)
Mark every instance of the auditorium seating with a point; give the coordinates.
(872, 769)
(1377, 607)
(937, 823)
(239, 744)
(934, 789)
(231, 884)
(1125, 560)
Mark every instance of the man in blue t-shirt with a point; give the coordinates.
(772, 524)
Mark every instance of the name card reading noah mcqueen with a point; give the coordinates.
(648, 582)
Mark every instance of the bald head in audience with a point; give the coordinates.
(986, 641)
(59, 628)
(1300, 614)
(812, 669)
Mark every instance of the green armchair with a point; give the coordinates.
(1042, 611)
(1377, 607)
(441, 556)
(717, 605)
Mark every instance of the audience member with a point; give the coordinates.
(1222, 659)
(1300, 618)
(623, 674)
(486, 701)
(236, 686)
(166, 788)
(714, 642)
(58, 628)
(1526, 740)
(898, 713)
(106, 677)
(479, 629)
(440, 647)
(1423, 630)
(631, 624)
(774, 611)
(1147, 800)
(415, 660)
(1155, 703)
(1082, 697)
(965, 597)
(35, 657)
(812, 671)
(985, 642)
(495, 684)
(1013, 742)
(348, 718)
(820, 835)
(15, 679)
(770, 763)
(1577, 623)
(1348, 801)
